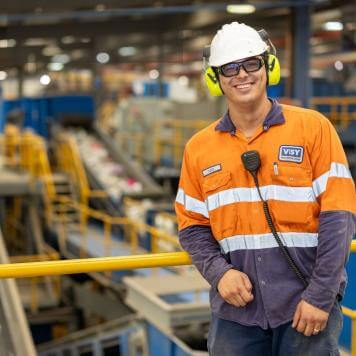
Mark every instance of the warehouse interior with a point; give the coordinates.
(97, 101)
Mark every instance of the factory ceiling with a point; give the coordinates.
(33, 33)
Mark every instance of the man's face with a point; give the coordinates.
(246, 87)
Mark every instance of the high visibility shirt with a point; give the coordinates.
(305, 178)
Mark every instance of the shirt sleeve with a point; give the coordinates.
(334, 189)
(195, 234)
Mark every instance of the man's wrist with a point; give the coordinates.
(323, 299)
(219, 276)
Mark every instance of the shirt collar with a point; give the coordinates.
(274, 117)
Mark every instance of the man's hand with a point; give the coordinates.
(309, 320)
(235, 287)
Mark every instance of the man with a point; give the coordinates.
(259, 306)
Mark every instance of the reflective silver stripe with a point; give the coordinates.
(191, 204)
(276, 192)
(336, 170)
(259, 241)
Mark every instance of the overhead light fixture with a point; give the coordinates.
(333, 26)
(127, 51)
(183, 80)
(55, 67)
(68, 39)
(61, 58)
(153, 74)
(339, 66)
(240, 9)
(77, 54)
(51, 51)
(7, 43)
(45, 79)
(103, 57)
(35, 42)
(100, 7)
(3, 75)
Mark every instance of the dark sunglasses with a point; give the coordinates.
(233, 68)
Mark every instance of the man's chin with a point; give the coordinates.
(244, 99)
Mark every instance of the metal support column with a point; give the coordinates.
(20, 76)
(161, 64)
(301, 33)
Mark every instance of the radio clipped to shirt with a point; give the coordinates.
(252, 162)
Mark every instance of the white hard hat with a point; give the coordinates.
(233, 42)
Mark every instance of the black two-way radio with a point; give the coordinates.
(251, 161)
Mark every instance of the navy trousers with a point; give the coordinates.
(227, 338)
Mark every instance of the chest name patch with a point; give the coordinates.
(291, 153)
(211, 170)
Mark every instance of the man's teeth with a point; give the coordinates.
(242, 86)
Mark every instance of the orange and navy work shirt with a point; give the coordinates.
(305, 178)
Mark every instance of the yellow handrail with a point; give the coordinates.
(101, 264)
(352, 315)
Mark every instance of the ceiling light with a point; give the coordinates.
(7, 43)
(153, 74)
(61, 58)
(55, 67)
(3, 75)
(68, 39)
(45, 79)
(100, 7)
(127, 51)
(36, 42)
(183, 80)
(339, 66)
(51, 51)
(197, 65)
(240, 9)
(77, 54)
(333, 26)
(103, 57)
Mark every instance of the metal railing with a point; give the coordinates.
(340, 110)
(173, 134)
(51, 268)
(50, 284)
(352, 315)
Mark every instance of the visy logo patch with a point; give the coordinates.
(291, 153)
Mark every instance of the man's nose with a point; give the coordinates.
(242, 73)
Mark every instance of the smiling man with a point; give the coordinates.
(267, 298)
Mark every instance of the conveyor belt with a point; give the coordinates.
(150, 188)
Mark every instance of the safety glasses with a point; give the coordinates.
(233, 68)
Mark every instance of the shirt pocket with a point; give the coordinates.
(219, 197)
(292, 197)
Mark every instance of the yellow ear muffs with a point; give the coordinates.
(212, 82)
(274, 70)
